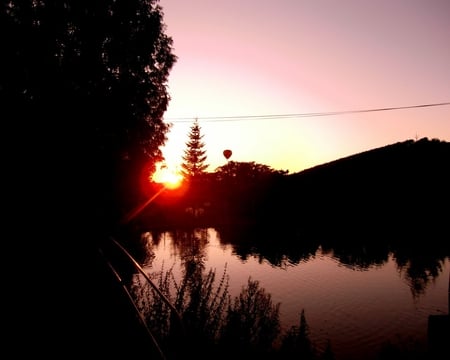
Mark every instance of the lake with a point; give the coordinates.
(357, 295)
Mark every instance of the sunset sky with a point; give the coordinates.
(245, 64)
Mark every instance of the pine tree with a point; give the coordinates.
(194, 158)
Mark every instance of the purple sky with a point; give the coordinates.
(258, 57)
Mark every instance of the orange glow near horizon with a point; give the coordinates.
(171, 179)
(228, 79)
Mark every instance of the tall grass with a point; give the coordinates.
(214, 323)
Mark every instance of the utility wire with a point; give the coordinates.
(300, 115)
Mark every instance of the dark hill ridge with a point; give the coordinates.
(408, 155)
(401, 185)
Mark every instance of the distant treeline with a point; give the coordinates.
(403, 187)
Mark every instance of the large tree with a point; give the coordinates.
(83, 90)
(82, 97)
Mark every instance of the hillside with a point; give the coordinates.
(397, 186)
(413, 153)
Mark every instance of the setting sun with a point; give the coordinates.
(170, 178)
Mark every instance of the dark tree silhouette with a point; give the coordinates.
(82, 97)
(252, 323)
(246, 171)
(297, 343)
(242, 189)
(85, 83)
(194, 158)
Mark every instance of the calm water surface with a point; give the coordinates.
(358, 309)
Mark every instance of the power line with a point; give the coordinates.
(301, 115)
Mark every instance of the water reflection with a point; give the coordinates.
(361, 297)
(420, 265)
(280, 246)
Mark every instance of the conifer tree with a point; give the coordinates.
(194, 158)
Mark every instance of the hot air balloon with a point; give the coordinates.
(227, 153)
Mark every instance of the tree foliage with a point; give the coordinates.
(252, 320)
(194, 157)
(82, 97)
(296, 341)
(245, 172)
(84, 82)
